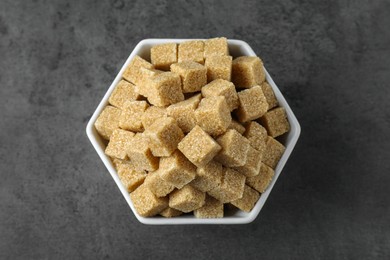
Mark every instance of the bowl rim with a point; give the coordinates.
(242, 218)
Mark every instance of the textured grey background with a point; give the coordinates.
(331, 59)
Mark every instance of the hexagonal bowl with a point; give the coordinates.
(236, 48)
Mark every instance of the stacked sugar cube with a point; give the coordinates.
(193, 130)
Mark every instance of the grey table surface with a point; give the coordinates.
(331, 60)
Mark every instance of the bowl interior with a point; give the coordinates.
(232, 215)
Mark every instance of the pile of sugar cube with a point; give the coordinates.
(193, 130)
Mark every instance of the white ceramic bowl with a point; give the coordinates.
(236, 48)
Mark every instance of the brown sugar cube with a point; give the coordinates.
(253, 162)
(129, 177)
(248, 200)
(163, 55)
(273, 152)
(199, 147)
(261, 181)
(131, 115)
(177, 169)
(275, 121)
(119, 143)
(247, 72)
(184, 112)
(140, 155)
(219, 67)
(220, 87)
(252, 104)
(164, 135)
(123, 92)
(213, 115)
(146, 203)
(152, 114)
(211, 209)
(208, 176)
(216, 46)
(191, 50)
(237, 126)
(170, 213)
(107, 121)
(257, 135)
(193, 75)
(165, 89)
(231, 187)
(146, 75)
(186, 199)
(118, 162)
(234, 149)
(269, 95)
(132, 72)
(158, 185)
